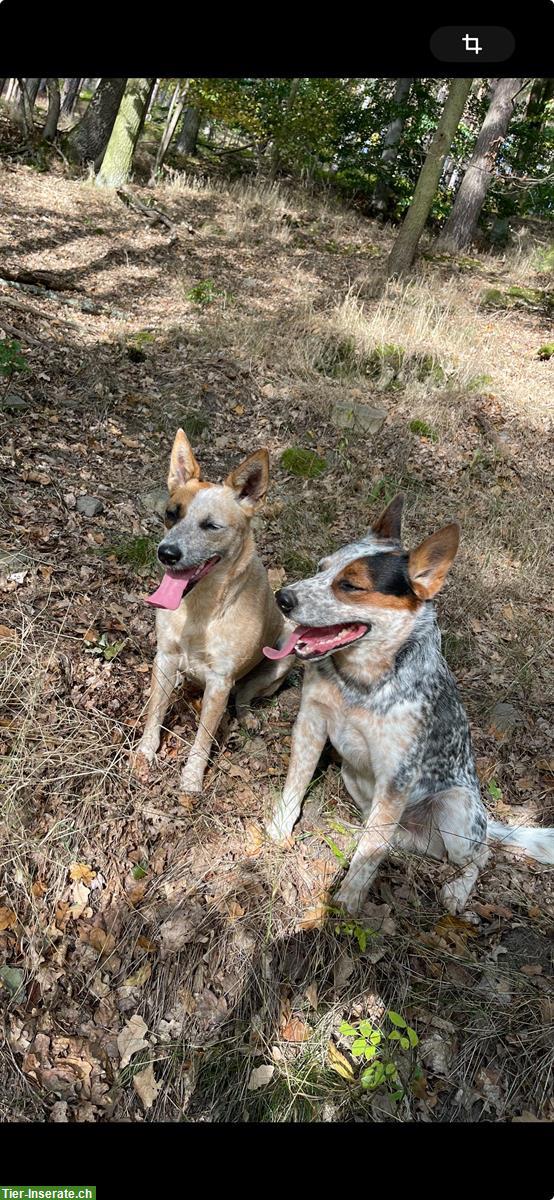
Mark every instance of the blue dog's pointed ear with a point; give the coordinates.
(390, 522)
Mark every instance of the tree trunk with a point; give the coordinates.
(118, 159)
(42, 89)
(173, 117)
(28, 89)
(2, 85)
(152, 101)
(277, 141)
(540, 95)
(70, 96)
(88, 140)
(391, 145)
(11, 89)
(405, 246)
(53, 114)
(190, 128)
(462, 222)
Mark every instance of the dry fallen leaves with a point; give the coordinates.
(260, 1077)
(339, 1063)
(296, 1030)
(145, 1083)
(8, 918)
(131, 1038)
(83, 872)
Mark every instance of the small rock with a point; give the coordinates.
(89, 506)
(504, 718)
(359, 418)
(69, 500)
(155, 500)
(11, 401)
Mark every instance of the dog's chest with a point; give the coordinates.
(372, 743)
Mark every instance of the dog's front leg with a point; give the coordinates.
(214, 703)
(308, 739)
(374, 844)
(164, 676)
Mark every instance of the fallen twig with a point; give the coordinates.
(21, 337)
(13, 302)
(152, 214)
(88, 306)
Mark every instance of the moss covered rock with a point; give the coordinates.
(305, 463)
(546, 352)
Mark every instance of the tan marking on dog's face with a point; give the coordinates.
(180, 499)
(356, 584)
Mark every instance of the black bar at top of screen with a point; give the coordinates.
(472, 44)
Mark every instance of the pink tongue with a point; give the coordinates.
(170, 592)
(288, 646)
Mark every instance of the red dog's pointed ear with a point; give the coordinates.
(390, 521)
(250, 480)
(183, 465)
(429, 565)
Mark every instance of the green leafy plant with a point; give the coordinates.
(494, 790)
(105, 649)
(369, 1044)
(11, 359)
(423, 429)
(352, 928)
(205, 292)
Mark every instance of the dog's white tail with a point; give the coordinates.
(537, 843)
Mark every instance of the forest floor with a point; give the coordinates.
(162, 962)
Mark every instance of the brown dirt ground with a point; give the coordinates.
(117, 904)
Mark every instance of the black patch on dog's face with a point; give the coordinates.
(172, 515)
(389, 573)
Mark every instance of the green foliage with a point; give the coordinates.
(369, 1044)
(11, 358)
(136, 552)
(305, 463)
(547, 351)
(105, 649)
(204, 293)
(423, 429)
(351, 928)
(494, 790)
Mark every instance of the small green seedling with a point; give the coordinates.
(352, 929)
(369, 1044)
(105, 649)
(204, 293)
(11, 358)
(494, 790)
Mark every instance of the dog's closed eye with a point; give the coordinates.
(209, 524)
(345, 586)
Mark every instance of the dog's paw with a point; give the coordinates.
(142, 759)
(454, 897)
(350, 899)
(190, 784)
(278, 832)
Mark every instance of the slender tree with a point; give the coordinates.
(190, 129)
(391, 144)
(461, 224)
(173, 117)
(118, 158)
(28, 89)
(405, 246)
(70, 96)
(53, 114)
(87, 141)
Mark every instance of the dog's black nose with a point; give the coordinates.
(286, 600)
(169, 554)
